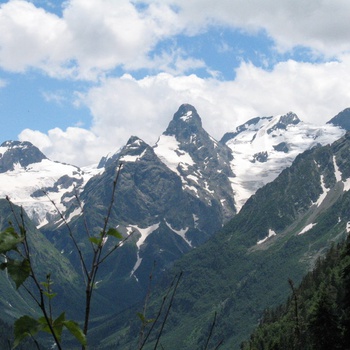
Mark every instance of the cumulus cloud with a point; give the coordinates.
(75, 145)
(90, 38)
(96, 36)
(320, 25)
(126, 106)
(30, 37)
(316, 92)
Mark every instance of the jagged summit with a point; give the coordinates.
(252, 124)
(185, 123)
(187, 113)
(14, 153)
(342, 119)
(283, 122)
(134, 149)
(202, 163)
(27, 175)
(269, 124)
(264, 146)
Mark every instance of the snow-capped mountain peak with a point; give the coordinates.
(31, 179)
(133, 151)
(185, 125)
(263, 147)
(18, 154)
(202, 163)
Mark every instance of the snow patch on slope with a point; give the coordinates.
(338, 176)
(132, 159)
(187, 116)
(337, 172)
(168, 151)
(271, 234)
(145, 232)
(323, 195)
(306, 228)
(181, 233)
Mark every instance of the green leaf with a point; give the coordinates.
(58, 325)
(95, 240)
(76, 331)
(44, 325)
(9, 240)
(113, 232)
(19, 270)
(25, 326)
(49, 295)
(143, 319)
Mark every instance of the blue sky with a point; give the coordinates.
(79, 77)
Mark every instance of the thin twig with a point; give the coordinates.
(81, 258)
(143, 326)
(92, 275)
(210, 332)
(168, 311)
(159, 312)
(84, 216)
(115, 248)
(35, 341)
(41, 303)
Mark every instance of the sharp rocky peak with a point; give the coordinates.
(185, 123)
(134, 149)
(282, 122)
(269, 124)
(252, 124)
(135, 144)
(18, 152)
(342, 119)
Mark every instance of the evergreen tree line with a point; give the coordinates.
(317, 313)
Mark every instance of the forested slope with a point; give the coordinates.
(317, 313)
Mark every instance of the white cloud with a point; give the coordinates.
(90, 38)
(75, 146)
(96, 36)
(321, 25)
(57, 97)
(125, 106)
(30, 37)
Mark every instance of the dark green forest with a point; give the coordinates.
(317, 312)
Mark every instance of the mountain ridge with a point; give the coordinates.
(174, 195)
(289, 222)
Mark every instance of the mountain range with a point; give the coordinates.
(261, 195)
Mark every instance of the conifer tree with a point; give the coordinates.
(324, 327)
(346, 298)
